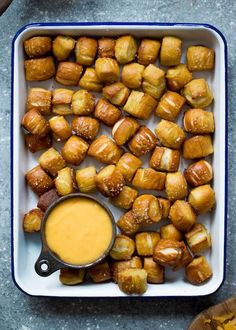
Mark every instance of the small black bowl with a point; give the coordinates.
(47, 262)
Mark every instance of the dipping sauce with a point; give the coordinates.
(78, 230)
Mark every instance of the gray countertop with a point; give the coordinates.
(18, 311)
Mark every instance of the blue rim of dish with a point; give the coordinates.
(56, 24)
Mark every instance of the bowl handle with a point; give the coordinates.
(46, 264)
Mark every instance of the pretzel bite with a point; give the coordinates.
(125, 49)
(37, 46)
(90, 81)
(100, 273)
(124, 129)
(74, 150)
(155, 272)
(178, 76)
(198, 238)
(128, 224)
(39, 99)
(85, 127)
(198, 121)
(170, 134)
(109, 181)
(148, 51)
(165, 207)
(132, 75)
(36, 143)
(146, 209)
(154, 82)
(198, 271)
(186, 258)
(126, 198)
(68, 73)
(123, 248)
(85, 50)
(40, 69)
(182, 215)
(38, 180)
(61, 101)
(128, 165)
(107, 112)
(35, 123)
(142, 142)
(65, 181)
(165, 159)
(118, 266)
(198, 93)
(200, 58)
(133, 281)
(32, 221)
(51, 161)
(202, 198)
(171, 51)
(47, 199)
(197, 146)
(106, 47)
(85, 178)
(168, 252)
(105, 150)
(70, 276)
(170, 232)
(140, 105)
(107, 69)
(199, 173)
(116, 93)
(62, 47)
(145, 243)
(83, 102)
(60, 127)
(170, 106)
(176, 186)
(149, 179)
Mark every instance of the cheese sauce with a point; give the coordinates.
(78, 230)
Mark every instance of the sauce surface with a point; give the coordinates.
(78, 230)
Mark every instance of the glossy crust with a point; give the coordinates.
(39, 99)
(109, 181)
(39, 69)
(140, 105)
(61, 101)
(198, 238)
(128, 224)
(105, 150)
(62, 47)
(35, 123)
(68, 73)
(128, 165)
(60, 127)
(126, 198)
(123, 248)
(133, 281)
(197, 146)
(199, 173)
(165, 207)
(83, 102)
(176, 186)
(170, 232)
(200, 58)
(85, 178)
(170, 106)
(198, 93)
(32, 221)
(47, 199)
(107, 70)
(186, 258)
(165, 159)
(145, 243)
(154, 82)
(117, 266)
(198, 121)
(85, 127)
(74, 150)
(132, 75)
(36, 143)
(38, 180)
(170, 134)
(116, 93)
(198, 271)
(51, 161)
(146, 209)
(125, 49)
(182, 215)
(178, 76)
(37, 46)
(90, 81)
(142, 142)
(106, 47)
(85, 50)
(171, 51)
(168, 253)
(148, 51)
(70, 276)
(202, 199)
(65, 181)
(155, 272)
(149, 179)
(107, 112)
(100, 273)
(124, 129)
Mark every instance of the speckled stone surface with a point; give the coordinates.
(18, 311)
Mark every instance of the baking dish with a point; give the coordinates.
(26, 248)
